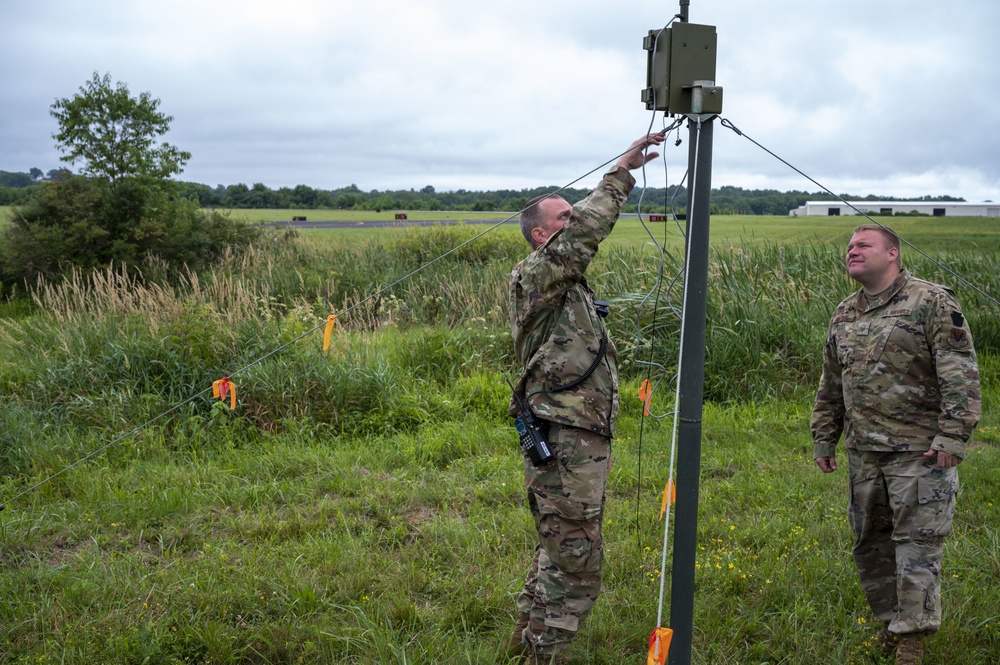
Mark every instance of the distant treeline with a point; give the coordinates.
(15, 188)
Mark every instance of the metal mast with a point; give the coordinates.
(681, 80)
(692, 381)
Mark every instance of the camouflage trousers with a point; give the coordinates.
(566, 499)
(901, 509)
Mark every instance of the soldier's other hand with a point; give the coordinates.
(826, 464)
(944, 460)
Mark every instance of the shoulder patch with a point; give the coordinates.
(958, 339)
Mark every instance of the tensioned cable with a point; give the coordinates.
(296, 339)
(726, 123)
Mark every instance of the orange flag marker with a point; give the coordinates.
(221, 388)
(669, 497)
(328, 331)
(645, 392)
(659, 645)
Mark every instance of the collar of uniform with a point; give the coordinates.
(861, 302)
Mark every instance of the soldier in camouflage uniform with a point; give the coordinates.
(570, 382)
(900, 382)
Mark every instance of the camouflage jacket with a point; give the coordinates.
(556, 329)
(899, 373)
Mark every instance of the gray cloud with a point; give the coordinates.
(890, 98)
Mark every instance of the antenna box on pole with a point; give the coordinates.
(677, 58)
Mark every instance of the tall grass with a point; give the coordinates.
(363, 504)
(769, 306)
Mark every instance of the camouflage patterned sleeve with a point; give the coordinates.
(571, 250)
(954, 357)
(827, 422)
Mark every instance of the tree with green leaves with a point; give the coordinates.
(124, 207)
(115, 135)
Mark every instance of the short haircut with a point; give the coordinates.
(532, 217)
(891, 239)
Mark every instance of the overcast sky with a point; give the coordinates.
(885, 97)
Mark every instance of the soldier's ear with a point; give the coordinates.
(538, 235)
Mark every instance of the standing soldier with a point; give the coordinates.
(570, 383)
(900, 382)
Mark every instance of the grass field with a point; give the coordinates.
(927, 233)
(940, 234)
(365, 504)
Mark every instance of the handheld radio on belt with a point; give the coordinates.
(532, 439)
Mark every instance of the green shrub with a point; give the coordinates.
(82, 224)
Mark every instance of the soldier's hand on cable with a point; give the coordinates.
(944, 460)
(634, 157)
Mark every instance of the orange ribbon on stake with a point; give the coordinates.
(659, 645)
(328, 331)
(669, 497)
(645, 392)
(221, 388)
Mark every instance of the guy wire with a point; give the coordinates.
(294, 340)
(963, 280)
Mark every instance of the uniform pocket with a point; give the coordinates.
(903, 342)
(572, 486)
(936, 495)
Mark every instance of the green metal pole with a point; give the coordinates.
(692, 382)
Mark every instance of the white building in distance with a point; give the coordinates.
(931, 208)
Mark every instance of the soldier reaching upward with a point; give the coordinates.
(900, 382)
(570, 382)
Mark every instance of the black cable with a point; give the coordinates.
(601, 351)
(657, 289)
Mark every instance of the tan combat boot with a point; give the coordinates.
(911, 649)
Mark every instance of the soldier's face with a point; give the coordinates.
(556, 212)
(869, 257)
